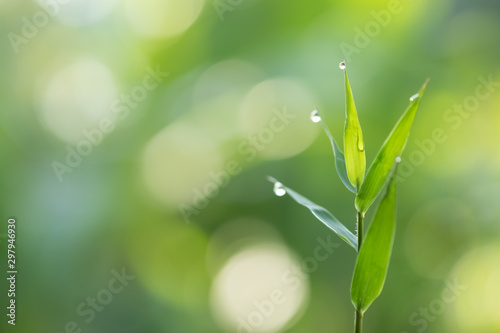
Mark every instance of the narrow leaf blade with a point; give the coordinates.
(393, 147)
(373, 259)
(323, 215)
(339, 160)
(354, 147)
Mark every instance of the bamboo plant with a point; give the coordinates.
(375, 246)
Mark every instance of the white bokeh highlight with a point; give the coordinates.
(254, 292)
(76, 98)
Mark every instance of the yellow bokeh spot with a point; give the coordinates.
(177, 166)
(175, 276)
(274, 118)
(162, 18)
(477, 309)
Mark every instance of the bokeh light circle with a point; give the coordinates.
(436, 235)
(177, 165)
(78, 97)
(274, 117)
(257, 291)
(477, 308)
(217, 94)
(162, 18)
(178, 277)
(78, 12)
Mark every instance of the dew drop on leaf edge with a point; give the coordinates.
(361, 145)
(414, 97)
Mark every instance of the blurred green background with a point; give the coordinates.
(109, 165)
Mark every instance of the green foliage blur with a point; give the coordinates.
(136, 137)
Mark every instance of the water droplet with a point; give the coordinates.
(342, 65)
(414, 97)
(361, 145)
(398, 159)
(279, 190)
(315, 117)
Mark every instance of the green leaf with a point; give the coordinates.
(354, 147)
(339, 159)
(393, 147)
(373, 259)
(321, 214)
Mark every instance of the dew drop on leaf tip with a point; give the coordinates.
(342, 65)
(279, 190)
(315, 117)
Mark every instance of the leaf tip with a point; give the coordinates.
(424, 85)
(271, 179)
